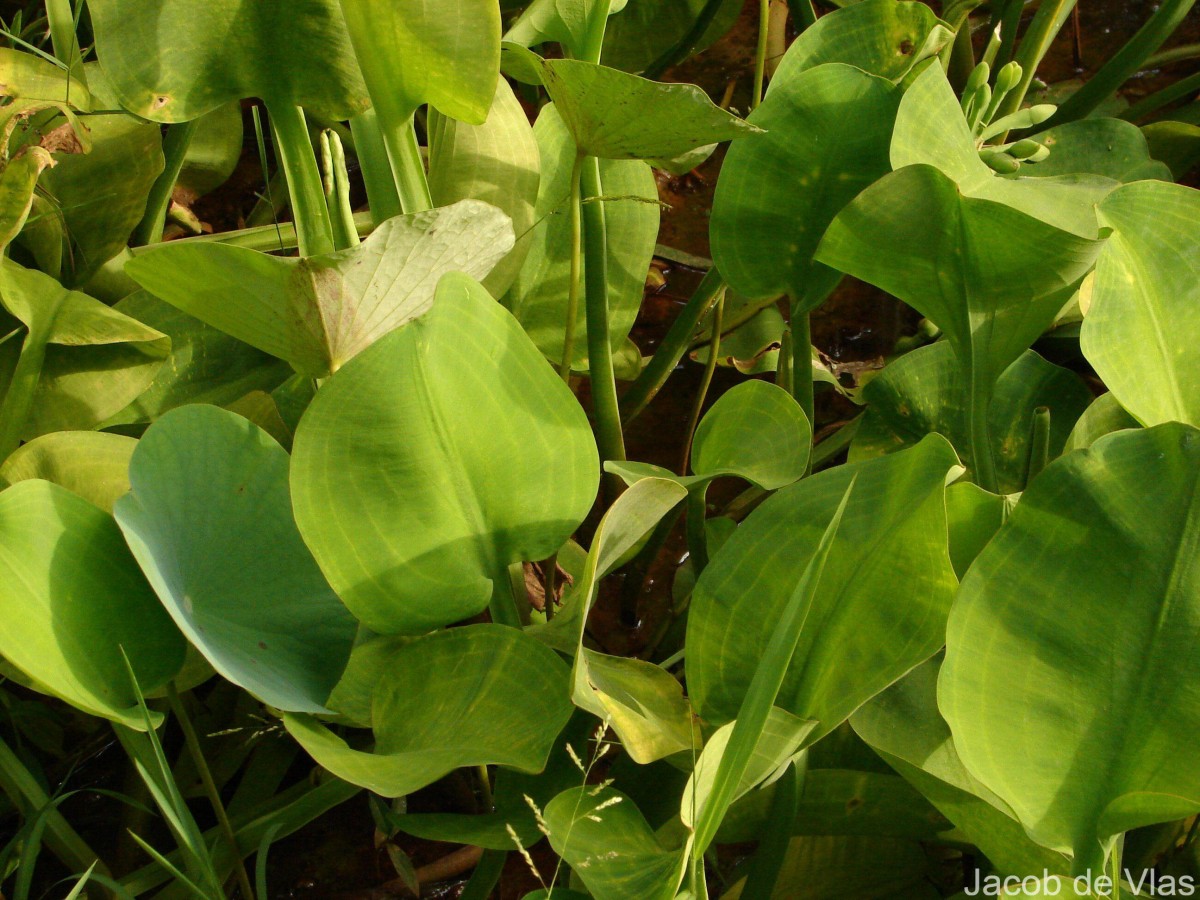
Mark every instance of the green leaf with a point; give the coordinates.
(642, 702)
(841, 801)
(17, 181)
(904, 726)
(510, 806)
(102, 193)
(1145, 299)
(562, 21)
(755, 431)
(777, 744)
(465, 716)
(433, 460)
(882, 37)
(832, 867)
(210, 521)
(1110, 147)
(92, 464)
(205, 365)
(213, 152)
(26, 76)
(610, 846)
(75, 605)
(96, 360)
(883, 600)
(973, 516)
(1104, 416)
(1072, 622)
(538, 296)
(413, 52)
(497, 162)
(990, 277)
(922, 393)
(827, 139)
(931, 130)
(320, 311)
(646, 28)
(606, 110)
(175, 60)
(1175, 143)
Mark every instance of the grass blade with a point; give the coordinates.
(764, 688)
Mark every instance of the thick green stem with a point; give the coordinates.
(710, 368)
(18, 401)
(175, 148)
(1039, 443)
(376, 170)
(600, 364)
(408, 170)
(673, 347)
(760, 52)
(1042, 31)
(576, 276)
(192, 741)
(295, 151)
(264, 237)
(802, 381)
(1124, 63)
(981, 433)
(783, 368)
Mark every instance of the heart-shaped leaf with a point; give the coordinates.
(884, 37)
(498, 698)
(75, 606)
(904, 726)
(932, 130)
(1113, 148)
(610, 845)
(174, 60)
(755, 431)
(81, 361)
(883, 600)
(434, 459)
(497, 162)
(920, 393)
(413, 52)
(92, 464)
(990, 276)
(205, 365)
(318, 312)
(100, 195)
(1102, 544)
(827, 138)
(1146, 295)
(606, 110)
(538, 297)
(563, 21)
(646, 29)
(210, 521)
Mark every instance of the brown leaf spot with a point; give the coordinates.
(62, 139)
